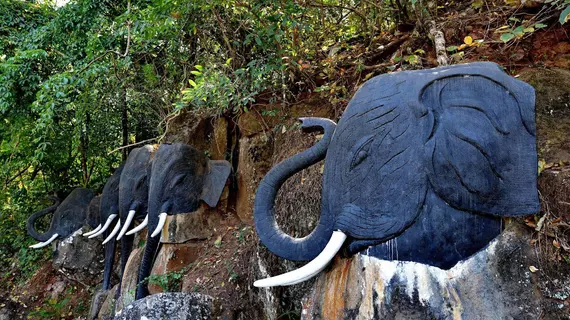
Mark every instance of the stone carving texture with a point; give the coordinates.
(421, 167)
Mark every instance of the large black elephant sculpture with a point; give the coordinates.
(421, 167)
(181, 177)
(68, 217)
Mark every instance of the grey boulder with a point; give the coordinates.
(171, 305)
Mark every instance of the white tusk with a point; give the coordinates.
(43, 244)
(127, 224)
(86, 234)
(309, 270)
(114, 232)
(161, 222)
(107, 224)
(139, 227)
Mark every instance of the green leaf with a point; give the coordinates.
(192, 83)
(451, 48)
(519, 31)
(540, 26)
(528, 30)
(194, 72)
(564, 15)
(199, 67)
(506, 37)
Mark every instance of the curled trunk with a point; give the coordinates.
(276, 240)
(32, 220)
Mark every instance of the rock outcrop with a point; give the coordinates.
(79, 257)
(501, 282)
(172, 306)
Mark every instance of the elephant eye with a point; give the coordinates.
(177, 180)
(361, 151)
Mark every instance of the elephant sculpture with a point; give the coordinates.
(421, 167)
(133, 198)
(68, 217)
(109, 210)
(93, 213)
(181, 177)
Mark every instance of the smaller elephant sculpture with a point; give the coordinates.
(68, 217)
(421, 167)
(181, 177)
(93, 213)
(109, 210)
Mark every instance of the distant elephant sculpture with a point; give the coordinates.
(421, 167)
(181, 177)
(93, 213)
(109, 210)
(68, 217)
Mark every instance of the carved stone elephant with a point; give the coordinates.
(421, 167)
(182, 176)
(109, 210)
(68, 217)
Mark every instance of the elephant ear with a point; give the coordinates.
(215, 180)
(466, 150)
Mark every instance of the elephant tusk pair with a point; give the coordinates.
(87, 234)
(161, 222)
(113, 233)
(309, 270)
(43, 244)
(105, 227)
(128, 221)
(139, 227)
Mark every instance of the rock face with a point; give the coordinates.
(173, 258)
(108, 307)
(496, 283)
(172, 306)
(181, 228)
(129, 282)
(80, 257)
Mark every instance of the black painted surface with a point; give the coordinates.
(93, 213)
(421, 167)
(68, 216)
(110, 205)
(133, 195)
(181, 177)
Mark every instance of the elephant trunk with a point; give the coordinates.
(32, 220)
(109, 261)
(126, 248)
(146, 266)
(276, 240)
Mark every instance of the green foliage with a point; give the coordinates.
(52, 309)
(169, 281)
(79, 81)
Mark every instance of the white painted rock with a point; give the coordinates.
(79, 258)
(496, 283)
(172, 305)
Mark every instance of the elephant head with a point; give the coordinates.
(133, 198)
(181, 177)
(93, 213)
(109, 210)
(68, 217)
(133, 189)
(421, 167)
